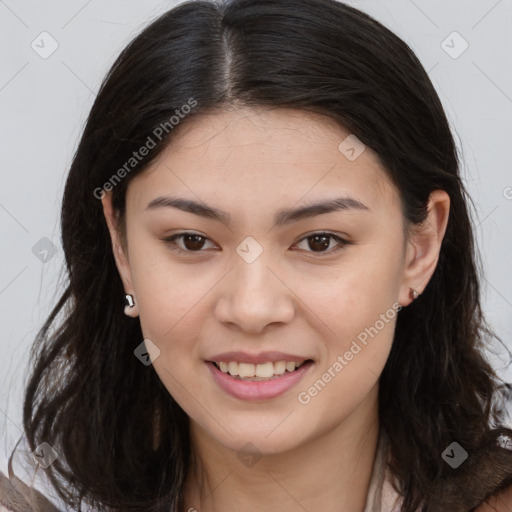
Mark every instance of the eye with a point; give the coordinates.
(321, 242)
(191, 242)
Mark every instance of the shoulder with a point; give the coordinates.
(500, 503)
(16, 496)
(11, 498)
(6, 494)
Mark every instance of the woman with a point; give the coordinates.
(273, 299)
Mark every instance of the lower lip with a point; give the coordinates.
(258, 390)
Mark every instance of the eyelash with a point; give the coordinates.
(341, 242)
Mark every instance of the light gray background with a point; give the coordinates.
(44, 104)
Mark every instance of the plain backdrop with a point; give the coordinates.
(53, 56)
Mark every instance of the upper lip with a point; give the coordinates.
(262, 357)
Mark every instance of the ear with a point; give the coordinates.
(424, 246)
(120, 250)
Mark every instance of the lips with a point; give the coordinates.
(257, 376)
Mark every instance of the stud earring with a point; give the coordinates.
(413, 294)
(129, 300)
(129, 306)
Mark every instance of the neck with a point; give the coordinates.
(331, 473)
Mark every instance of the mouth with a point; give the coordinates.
(249, 372)
(258, 382)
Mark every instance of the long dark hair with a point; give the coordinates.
(122, 439)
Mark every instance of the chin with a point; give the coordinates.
(262, 439)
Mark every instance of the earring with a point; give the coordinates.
(129, 300)
(413, 294)
(129, 306)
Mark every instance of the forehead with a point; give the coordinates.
(274, 154)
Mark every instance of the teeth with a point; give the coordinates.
(279, 367)
(263, 370)
(290, 367)
(245, 370)
(232, 368)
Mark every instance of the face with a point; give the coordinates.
(255, 273)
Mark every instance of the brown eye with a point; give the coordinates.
(193, 242)
(321, 243)
(190, 242)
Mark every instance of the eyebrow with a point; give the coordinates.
(282, 217)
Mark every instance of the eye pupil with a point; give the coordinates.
(322, 245)
(197, 242)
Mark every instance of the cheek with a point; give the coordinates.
(348, 374)
(357, 313)
(173, 307)
(168, 294)
(352, 297)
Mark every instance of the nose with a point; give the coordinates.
(254, 296)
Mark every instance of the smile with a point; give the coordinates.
(258, 372)
(257, 382)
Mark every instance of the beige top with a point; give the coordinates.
(381, 495)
